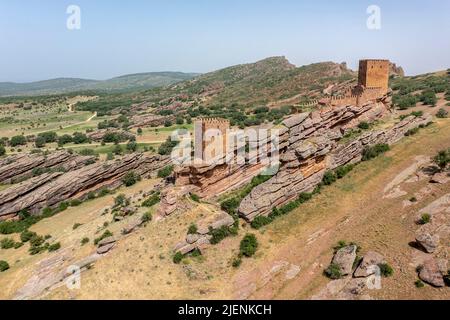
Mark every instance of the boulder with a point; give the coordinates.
(192, 238)
(345, 258)
(431, 273)
(106, 248)
(370, 259)
(428, 242)
(441, 178)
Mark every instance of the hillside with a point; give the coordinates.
(65, 85)
(262, 82)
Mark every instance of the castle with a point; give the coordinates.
(215, 144)
(373, 83)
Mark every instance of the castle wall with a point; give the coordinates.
(374, 74)
(210, 137)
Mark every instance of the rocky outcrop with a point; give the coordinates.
(51, 189)
(106, 245)
(150, 120)
(313, 149)
(201, 239)
(366, 267)
(344, 258)
(427, 241)
(431, 273)
(22, 166)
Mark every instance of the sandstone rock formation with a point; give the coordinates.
(313, 148)
(49, 190)
(431, 273)
(106, 245)
(344, 258)
(98, 135)
(21, 166)
(369, 260)
(428, 242)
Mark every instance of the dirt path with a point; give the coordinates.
(353, 210)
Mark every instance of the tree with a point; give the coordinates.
(18, 141)
(442, 159)
(139, 131)
(131, 178)
(2, 150)
(132, 146)
(167, 123)
(117, 150)
(248, 245)
(39, 142)
(79, 138)
(64, 139)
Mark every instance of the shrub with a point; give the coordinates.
(75, 202)
(121, 200)
(17, 141)
(192, 229)
(329, 178)
(386, 270)
(230, 205)
(7, 243)
(105, 235)
(27, 235)
(195, 197)
(54, 247)
(442, 159)
(442, 113)
(260, 221)
(3, 265)
(146, 217)
(248, 245)
(165, 172)
(152, 200)
(2, 151)
(219, 234)
(419, 284)
(76, 226)
(333, 271)
(84, 241)
(341, 244)
(178, 257)
(374, 151)
(236, 262)
(344, 170)
(426, 218)
(131, 178)
(363, 125)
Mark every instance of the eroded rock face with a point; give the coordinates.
(50, 189)
(431, 273)
(366, 269)
(345, 258)
(313, 149)
(98, 135)
(21, 166)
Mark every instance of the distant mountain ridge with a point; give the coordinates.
(122, 83)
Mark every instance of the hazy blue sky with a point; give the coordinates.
(119, 37)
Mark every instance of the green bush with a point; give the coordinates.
(105, 235)
(363, 125)
(3, 265)
(75, 202)
(192, 229)
(442, 159)
(333, 271)
(419, 284)
(146, 217)
(195, 197)
(344, 170)
(2, 151)
(442, 113)
(386, 270)
(178, 257)
(76, 226)
(165, 172)
(27, 235)
(84, 241)
(131, 178)
(230, 205)
(329, 178)
(374, 151)
(426, 218)
(236, 262)
(54, 247)
(7, 243)
(17, 141)
(248, 245)
(260, 221)
(152, 200)
(219, 234)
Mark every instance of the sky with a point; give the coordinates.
(121, 37)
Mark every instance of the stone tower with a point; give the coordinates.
(374, 74)
(210, 134)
